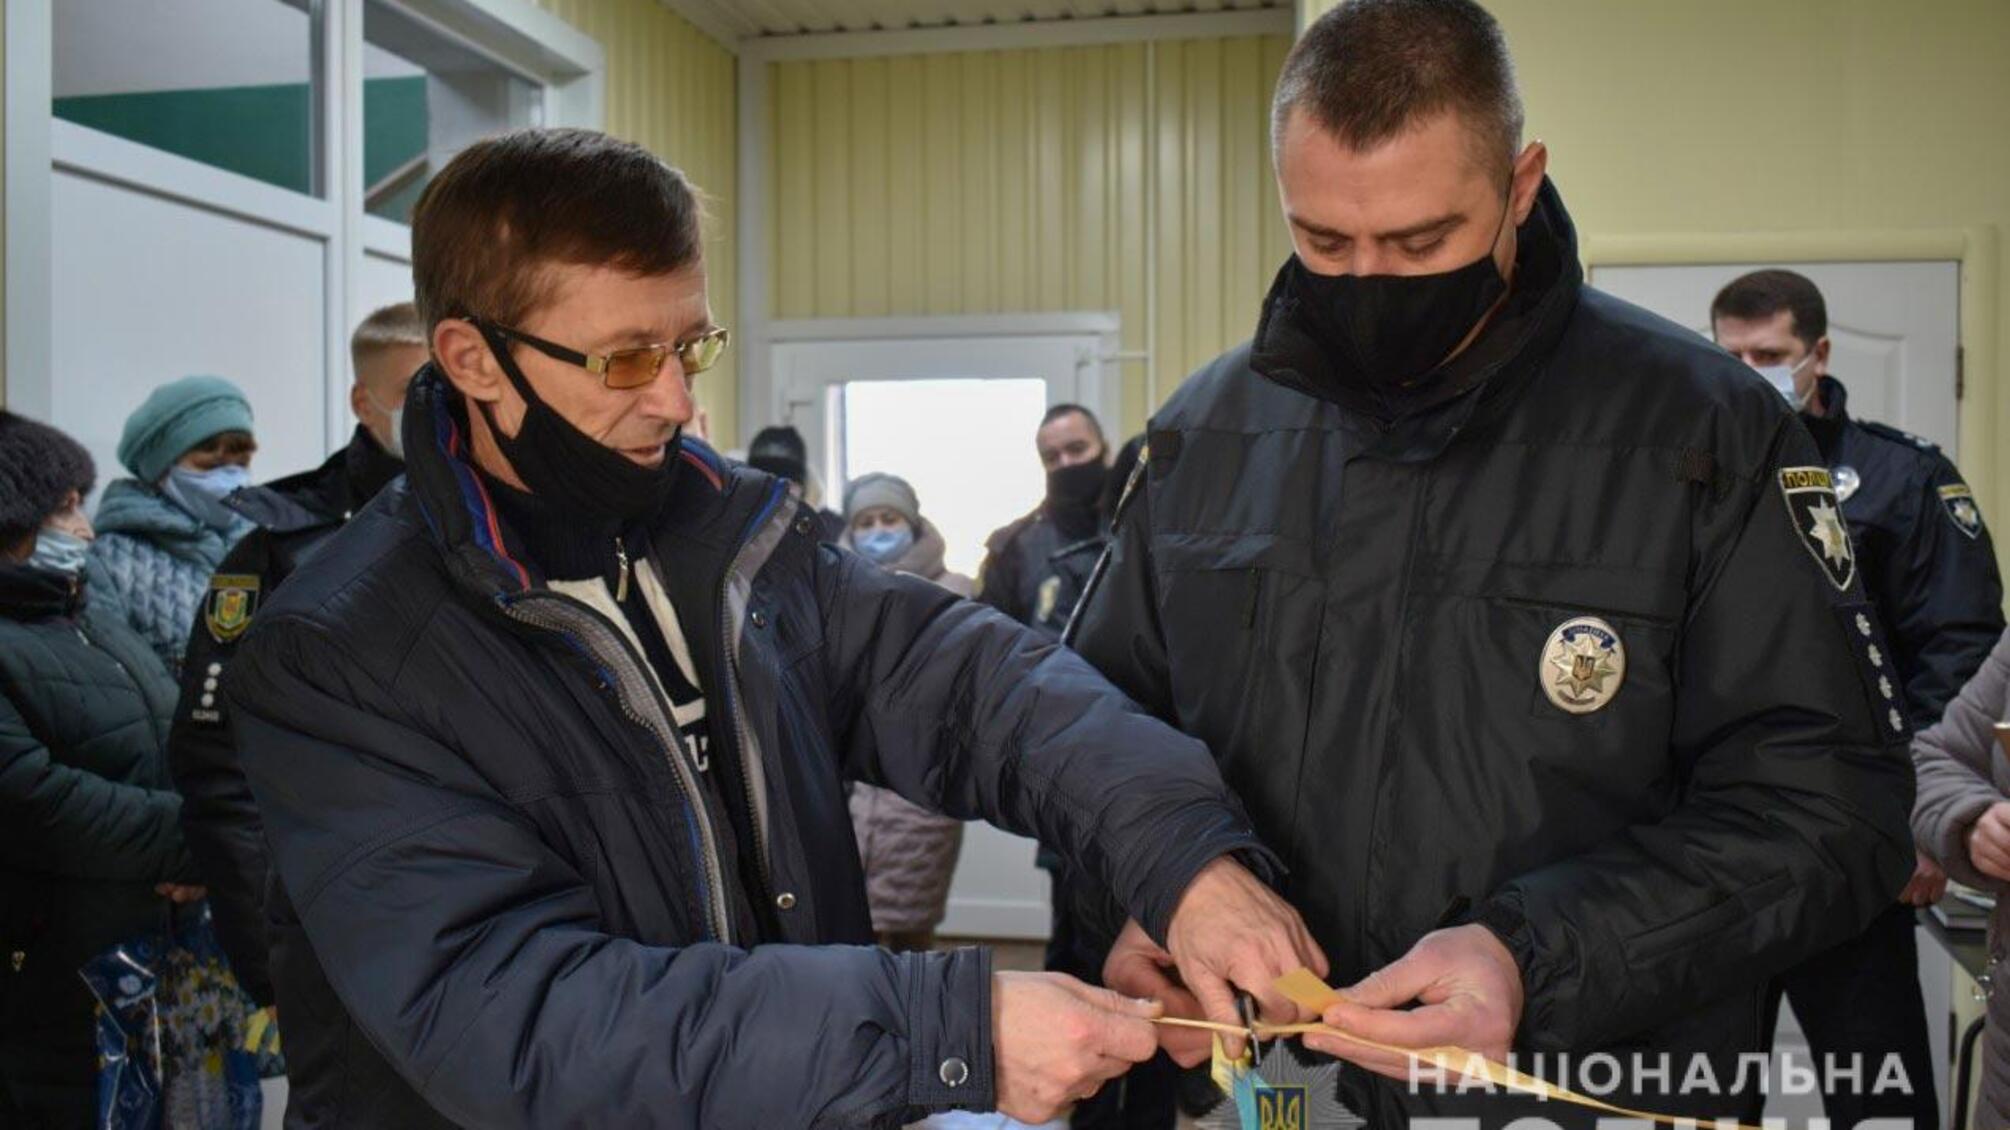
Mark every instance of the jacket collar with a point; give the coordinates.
(326, 495)
(1417, 421)
(36, 594)
(1827, 428)
(715, 504)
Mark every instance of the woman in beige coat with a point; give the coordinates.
(909, 852)
(1962, 819)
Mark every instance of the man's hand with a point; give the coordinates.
(1927, 884)
(1989, 842)
(1470, 992)
(1230, 931)
(1139, 967)
(181, 894)
(1057, 1041)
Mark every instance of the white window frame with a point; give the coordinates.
(516, 34)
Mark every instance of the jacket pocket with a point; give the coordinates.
(1240, 615)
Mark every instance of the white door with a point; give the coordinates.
(1895, 334)
(951, 405)
(1895, 328)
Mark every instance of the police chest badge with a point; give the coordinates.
(1583, 665)
(1816, 516)
(1046, 600)
(1959, 502)
(227, 610)
(1847, 482)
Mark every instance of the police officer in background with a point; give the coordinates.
(1929, 568)
(294, 516)
(1035, 569)
(1522, 621)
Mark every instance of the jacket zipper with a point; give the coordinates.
(666, 734)
(740, 726)
(94, 645)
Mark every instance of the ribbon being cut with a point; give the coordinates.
(1255, 1101)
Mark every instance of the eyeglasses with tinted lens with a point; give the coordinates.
(627, 368)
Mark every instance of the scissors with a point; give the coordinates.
(1245, 1011)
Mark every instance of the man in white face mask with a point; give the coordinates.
(1929, 568)
(292, 518)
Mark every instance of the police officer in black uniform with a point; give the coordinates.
(1036, 568)
(1930, 569)
(294, 516)
(1523, 622)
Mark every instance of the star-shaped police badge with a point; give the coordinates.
(1293, 1095)
(1817, 520)
(1583, 664)
(1959, 502)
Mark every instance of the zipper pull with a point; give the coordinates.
(621, 577)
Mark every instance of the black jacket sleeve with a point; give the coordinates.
(965, 713)
(1792, 832)
(70, 823)
(473, 956)
(219, 816)
(1944, 599)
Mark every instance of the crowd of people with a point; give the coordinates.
(1550, 680)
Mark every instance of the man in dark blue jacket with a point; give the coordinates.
(551, 740)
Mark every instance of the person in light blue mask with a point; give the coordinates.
(909, 853)
(163, 531)
(91, 851)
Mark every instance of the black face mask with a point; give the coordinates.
(1072, 495)
(1385, 330)
(564, 465)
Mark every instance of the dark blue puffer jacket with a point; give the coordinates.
(484, 822)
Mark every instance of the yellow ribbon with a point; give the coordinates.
(1305, 989)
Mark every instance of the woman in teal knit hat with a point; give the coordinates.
(162, 533)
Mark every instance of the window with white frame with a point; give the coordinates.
(218, 186)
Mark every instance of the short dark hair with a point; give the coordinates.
(1060, 410)
(387, 328)
(39, 467)
(506, 208)
(1763, 294)
(1369, 69)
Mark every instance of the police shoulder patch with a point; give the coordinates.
(227, 610)
(1816, 516)
(1959, 504)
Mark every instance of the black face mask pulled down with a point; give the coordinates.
(1380, 331)
(1072, 497)
(571, 469)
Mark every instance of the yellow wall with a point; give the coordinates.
(1823, 116)
(672, 88)
(1012, 181)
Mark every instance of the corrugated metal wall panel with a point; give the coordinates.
(1010, 181)
(672, 88)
